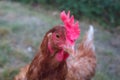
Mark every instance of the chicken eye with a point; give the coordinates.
(57, 36)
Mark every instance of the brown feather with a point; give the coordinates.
(83, 65)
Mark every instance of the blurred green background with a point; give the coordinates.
(105, 12)
(23, 23)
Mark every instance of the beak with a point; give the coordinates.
(69, 49)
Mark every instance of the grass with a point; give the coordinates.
(108, 53)
(3, 32)
(8, 74)
(6, 56)
(21, 56)
(3, 60)
(101, 76)
(2, 22)
(16, 28)
(3, 56)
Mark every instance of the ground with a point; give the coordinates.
(22, 28)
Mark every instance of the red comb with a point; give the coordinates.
(72, 27)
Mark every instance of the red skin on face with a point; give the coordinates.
(59, 42)
(62, 55)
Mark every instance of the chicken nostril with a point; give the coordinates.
(57, 36)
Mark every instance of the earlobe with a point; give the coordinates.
(49, 35)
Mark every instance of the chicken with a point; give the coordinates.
(58, 60)
(50, 61)
(81, 65)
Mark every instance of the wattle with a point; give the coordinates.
(62, 55)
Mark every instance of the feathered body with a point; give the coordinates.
(82, 64)
(47, 68)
